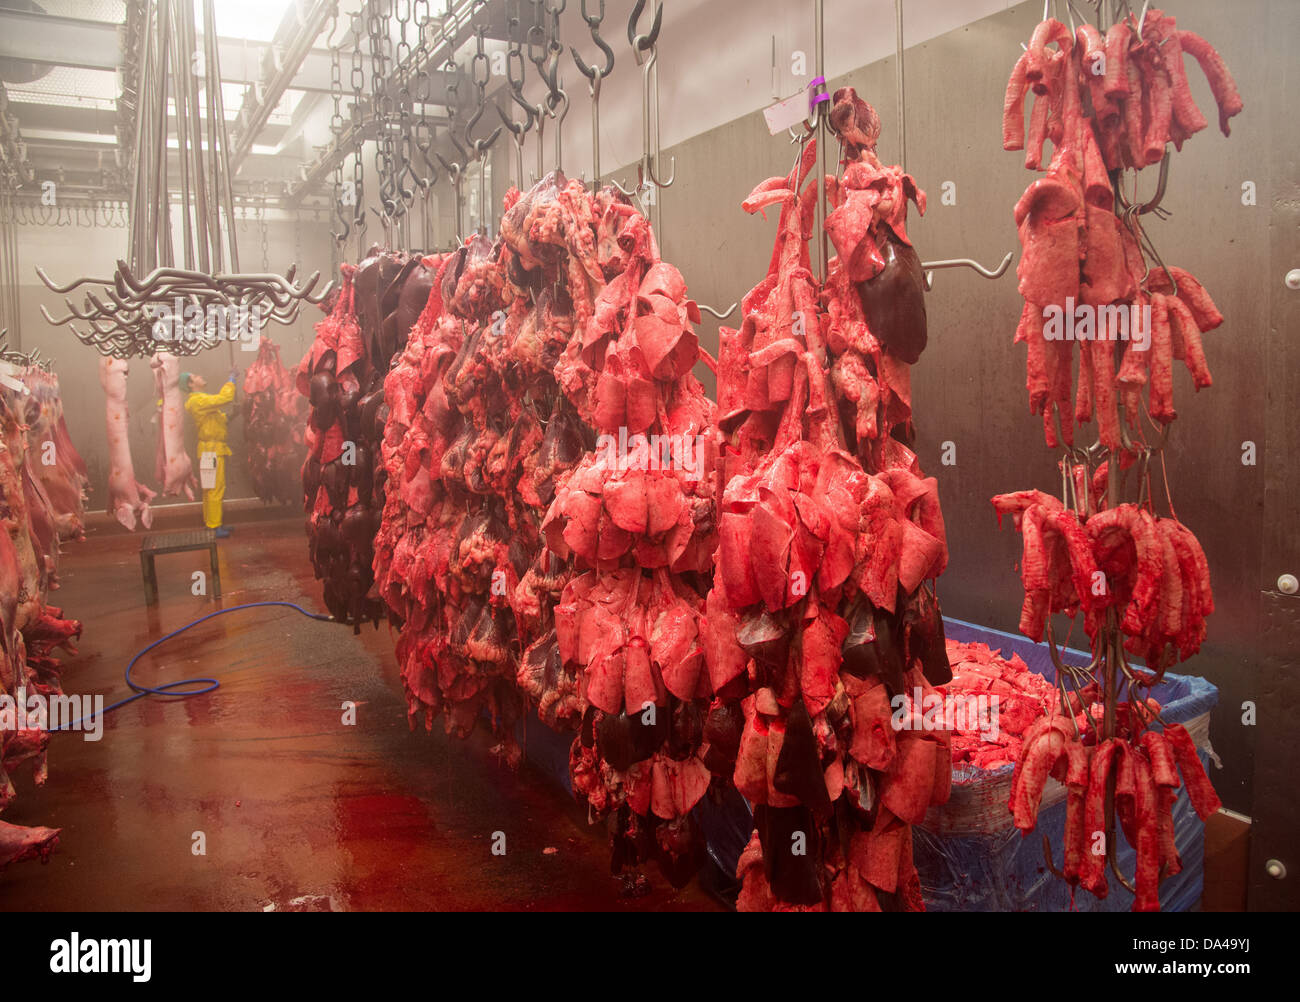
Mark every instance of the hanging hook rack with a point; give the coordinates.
(176, 97)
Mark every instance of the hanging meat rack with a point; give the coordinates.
(149, 303)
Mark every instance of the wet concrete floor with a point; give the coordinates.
(297, 810)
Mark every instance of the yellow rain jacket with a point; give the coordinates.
(210, 420)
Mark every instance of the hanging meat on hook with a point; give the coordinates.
(61, 470)
(173, 468)
(1089, 272)
(562, 529)
(820, 616)
(274, 416)
(31, 630)
(342, 377)
(128, 499)
(868, 228)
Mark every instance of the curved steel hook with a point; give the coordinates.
(424, 147)
(453, 170)
(594, 24)
(461, 148)
(640, 182)
(478, 146)
(640, 43)
(62, 289)
(964, 262)
(651, 164)
(721, 316)
(347, 227)
(650, 172)
(517, 129)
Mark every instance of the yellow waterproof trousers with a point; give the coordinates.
(213, 497)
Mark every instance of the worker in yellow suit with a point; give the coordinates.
(210, 420)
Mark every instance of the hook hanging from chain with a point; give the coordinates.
(595, 74)
(479, 74)
(336, 131)
(561, 102)
(454, 169)
(643, 43)
(515, 52)
(554, 50)
(544, 51)
(647, 168)
(539, 48)
(357, 80)
(593, 22)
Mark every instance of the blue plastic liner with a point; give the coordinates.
(546, 749)
(998, 869)
(969, 855)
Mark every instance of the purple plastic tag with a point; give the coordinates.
(818, 96)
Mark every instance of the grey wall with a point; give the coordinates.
(969, 387)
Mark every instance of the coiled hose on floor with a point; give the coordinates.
(205, 685)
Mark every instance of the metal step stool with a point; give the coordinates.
(176, 542)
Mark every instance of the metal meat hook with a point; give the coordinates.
(965, 262)
(642, 43)
(1142, 208)
(594, 74)
(455, 176)
(517, 132)
(561, 102)
(645, 170)
(1144, 243)
(593, 22)
(341, 238)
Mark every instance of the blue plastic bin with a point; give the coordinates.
(968, 854)
(972, 858)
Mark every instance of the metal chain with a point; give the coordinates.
(336, 130)
(358, 82)
(452, 72)
(382, 104)
(514, 46)
(261, 219)
(336, 92)
(375, 32)
(402, 52)
(553, 52)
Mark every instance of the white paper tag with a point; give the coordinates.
(786, 114)
(208, 470)
(9, 377)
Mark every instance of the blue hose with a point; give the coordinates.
(206, 685)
